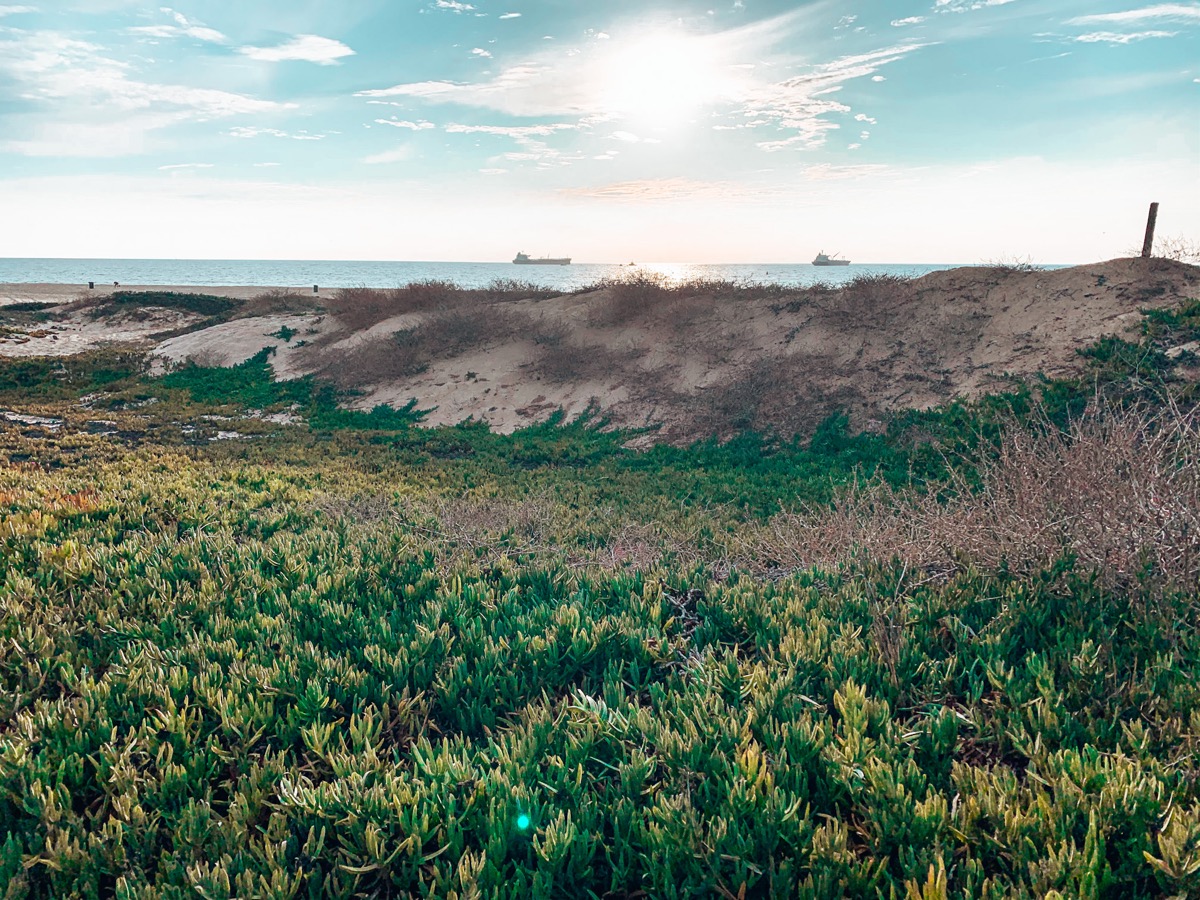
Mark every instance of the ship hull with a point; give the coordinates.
(833, 262)
(542, 262)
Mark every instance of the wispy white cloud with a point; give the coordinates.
(453, 6)
(16, 10)
(87, 104)
(303, 48)
(519, 132)
(183, 27)
(388, 156)
(422, 125)
(801, 106)
(1124, 37)
(951, 6)
(527, 89)
(646, 77)
(251, 131)
(529, 137)
(177, 166)
(1176, 12)
(910, 20)
(481, 53)
(512, 15)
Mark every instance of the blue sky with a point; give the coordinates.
(731, 131)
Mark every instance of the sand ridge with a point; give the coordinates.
(699, 363)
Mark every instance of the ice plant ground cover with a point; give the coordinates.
(245, 657)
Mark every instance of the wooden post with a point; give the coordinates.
(1148, 246)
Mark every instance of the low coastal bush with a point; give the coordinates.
(201, 304)
(357, 309)
(644, 293)
(1117, 492)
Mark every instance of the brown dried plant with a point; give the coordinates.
(1118, 490)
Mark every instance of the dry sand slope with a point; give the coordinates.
(703, 360)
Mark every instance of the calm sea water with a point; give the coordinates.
(305, 273)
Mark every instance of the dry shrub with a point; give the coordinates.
(279, 303)
(682, 311)
(1178, 248)
(629, 298)
(409, 352)
(864, 295)
(635, 547)
(779, 396)
(641, 294)
(1119, 490)
(508, 290)
(562, 363)
(483, 528)
(358, 308)
(207, 358)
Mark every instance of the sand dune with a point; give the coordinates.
(694, 361)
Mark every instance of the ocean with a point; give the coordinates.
(336, 274)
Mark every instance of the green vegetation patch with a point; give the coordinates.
(201, 304)
(360, 658)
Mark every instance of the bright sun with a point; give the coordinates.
(662, 78)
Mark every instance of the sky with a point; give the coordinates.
(906, 131)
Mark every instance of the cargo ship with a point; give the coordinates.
(524, 259)
(824, 260)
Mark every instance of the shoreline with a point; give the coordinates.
(62, 292)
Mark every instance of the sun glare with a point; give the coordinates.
(663, 78)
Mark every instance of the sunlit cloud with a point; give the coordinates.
(16, 10)
(1177, 12)
(661, 77)
(183, 27)
(801, 106)
(251, 131)
(453, 6)
(405, 123)
(943, 6)
(1127, 37)
(518, 132)
(85, 103)
(302, 48)
(177, 166)
(512, 15)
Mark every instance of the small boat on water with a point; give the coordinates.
(524, 259)
(824, 260)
